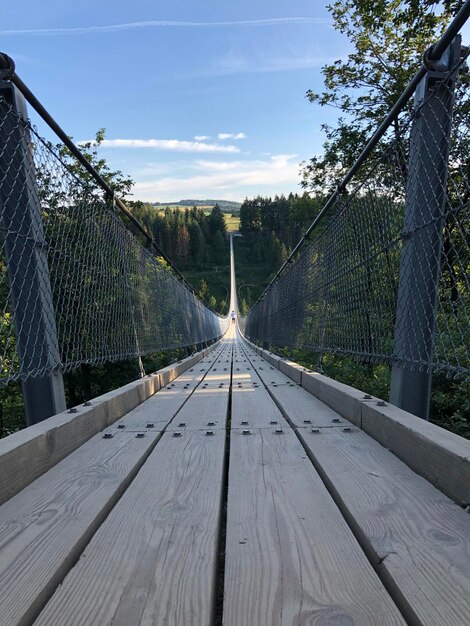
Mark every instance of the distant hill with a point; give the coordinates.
(226, 206)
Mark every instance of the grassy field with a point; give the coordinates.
(231, 222)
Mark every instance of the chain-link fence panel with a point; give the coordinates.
(384, 277)
(76, 285)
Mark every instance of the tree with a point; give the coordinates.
(182, 249)
(217, 221)
(212, 303)
(197, 244)
(203, 291)
(118, 181)
(389, 38)
(250, 217)
(219, 247)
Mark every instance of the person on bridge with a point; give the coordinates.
(233, 317)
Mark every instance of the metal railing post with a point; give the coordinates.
(422, 236)
(25, 245)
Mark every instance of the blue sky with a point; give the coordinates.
(199, 98)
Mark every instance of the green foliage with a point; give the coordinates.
(252, 275)
(217, 221)
(388, 39)
(203, 291)
(119, 182)
(219, 248)
(285, 217)
(190, 238)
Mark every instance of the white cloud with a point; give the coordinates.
(201, 137)
(176, 145)
(235, 179)
(241, 62)
(112, 28)
(231, 136)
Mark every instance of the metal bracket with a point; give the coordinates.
(7, 66)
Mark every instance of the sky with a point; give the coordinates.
(199, 98)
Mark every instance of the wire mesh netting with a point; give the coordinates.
(76, 285)
(384, 277)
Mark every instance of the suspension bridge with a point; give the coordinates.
(236, 487)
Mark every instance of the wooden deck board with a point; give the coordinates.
(47, 525)
(309, 516)
(251, 402)
(153, 561)
(163, 406)
(300, 406)
(209, 402)
(290, 556)
(420, 538)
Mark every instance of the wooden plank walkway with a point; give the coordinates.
(44, 528)
(417, 539)
(290, 555)
(160, 542)
(213, 517)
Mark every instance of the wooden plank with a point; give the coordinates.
(290, 556)
(53, 544)
(342, 398)
(267, 372)
(208, 406)
(165, 404)
(29, 453)
(153, 561)
(301, 408)
(305, 410)
(440, 456)
(44, 528)
(206, 410)
(419, 539)
(251, 402)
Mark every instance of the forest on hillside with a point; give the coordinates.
(196, 242)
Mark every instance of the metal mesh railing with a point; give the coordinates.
(76, 285)
(384, 276)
